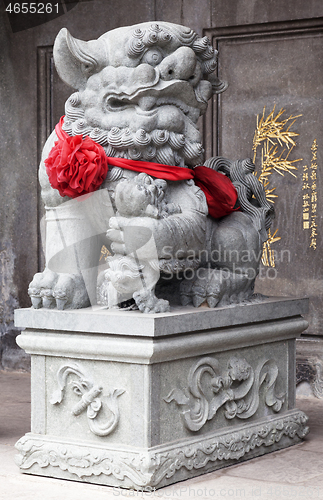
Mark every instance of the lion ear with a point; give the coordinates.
(76, 60)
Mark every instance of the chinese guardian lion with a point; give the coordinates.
(124, 168)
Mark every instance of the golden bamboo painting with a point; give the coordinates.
(273, 142)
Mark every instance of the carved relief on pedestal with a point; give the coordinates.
(237, 389)
(151, 468)
(91, 399)
(81, 461)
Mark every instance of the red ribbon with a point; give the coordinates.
(220, 193)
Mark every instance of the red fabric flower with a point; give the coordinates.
(76, 166)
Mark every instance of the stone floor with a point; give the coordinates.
(294, 473)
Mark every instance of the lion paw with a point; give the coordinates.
(200, 289)
(216, 287)
(58, 291)
(147, 302)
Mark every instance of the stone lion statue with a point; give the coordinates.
(124, 168)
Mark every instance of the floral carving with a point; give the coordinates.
(90, 400)
(232, 446)
(155, 468)
(236, 389)
(79, 461)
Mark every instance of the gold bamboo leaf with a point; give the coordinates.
(272, 162)
(264, 258)
(270, 197)
(276, 138)
(268, 255)
(272, 129)
(272, 238)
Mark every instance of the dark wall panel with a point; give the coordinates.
(277, 67)
(240, 12)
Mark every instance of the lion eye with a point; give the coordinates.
(152, 57)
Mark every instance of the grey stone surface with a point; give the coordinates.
(179, 320)
(199, 400)
(163, 466)
(148, 350)
(257, 479)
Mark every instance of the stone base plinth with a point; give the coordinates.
(133, 400)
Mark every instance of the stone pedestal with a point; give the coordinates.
(133, 400)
